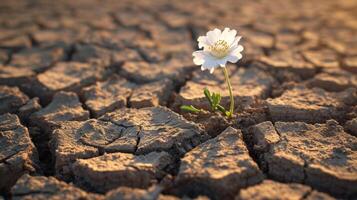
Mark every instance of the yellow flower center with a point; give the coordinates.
(219, 49)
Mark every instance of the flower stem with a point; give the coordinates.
(231, 107)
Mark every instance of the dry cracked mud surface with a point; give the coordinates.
(320, 155)
(90, 94)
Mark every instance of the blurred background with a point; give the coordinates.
(164, 29)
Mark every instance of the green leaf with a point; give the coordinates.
(219, 98)
(222, 109)
(213, 96)
(216, 99)
(190, 108)
(208, 95)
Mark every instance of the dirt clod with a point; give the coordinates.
(217, 168)
(18, 155)
(40, 187)
(11, 99)
(320, 155)
(311, 105)
(274, 190)
(65, 106)
(124, 169)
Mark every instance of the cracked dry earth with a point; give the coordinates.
(90, 91)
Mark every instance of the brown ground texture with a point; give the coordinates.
(90, 94)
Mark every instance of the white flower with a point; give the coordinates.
(218, 49)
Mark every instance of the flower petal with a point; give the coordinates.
(210, 63)
(239, 48)
(222, 62)
(228, 35)
(235, 54)
(236, 49)
(203, 42)
(213, 36)
(198, 57)
(234, 58)
(235, 41)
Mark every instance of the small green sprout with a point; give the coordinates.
(190, 109)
